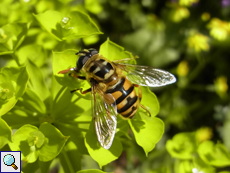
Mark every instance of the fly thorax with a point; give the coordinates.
(101, 69)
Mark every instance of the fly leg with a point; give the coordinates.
(140, 97)
(82, 92)
(72, 73)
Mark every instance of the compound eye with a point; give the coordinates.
(81, 61)
(93, 52)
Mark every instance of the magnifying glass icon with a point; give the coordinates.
(9, 160)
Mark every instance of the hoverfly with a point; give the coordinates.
(112, 91)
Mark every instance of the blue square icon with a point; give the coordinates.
(10, 161)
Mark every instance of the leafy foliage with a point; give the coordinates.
(53, 127)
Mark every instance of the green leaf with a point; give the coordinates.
(99, 154)
(147, 130)
(12, 35)
(46, 40)
(201, 166)
(93, 6)
(44, 166)
(5, 133)
(64, 60)
(182, 146)
(45, 142)
(214, 154)
(72, 114)
(70, 158)
(20, 143)
(74, 25)
(31, 167)
(79, 25)
(37, 82)
(32, 52)
(91, 171)
(91, 40)
(13, 82)
(161, 170)
(149, 101)
(28, 110)
(183, 166)
(51, 21)
(75, 134)
(54, 143)
(112, 51)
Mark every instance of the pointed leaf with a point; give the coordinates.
(70, 158)
(99, 154)
(20, 143)
(112, 51)
(182, 146)
(214, 154)
(12, 37)
(5, 133)
(149, 101)
(32, 52)
(74, 25)
(13, 81)
(64, 60)
(54, 143)
(147, 130)
(28, 110)
(37, 82)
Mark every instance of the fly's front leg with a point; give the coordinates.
(76, 76)
(140, 97)
(73, 71)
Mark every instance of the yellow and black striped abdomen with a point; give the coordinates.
(126, 98)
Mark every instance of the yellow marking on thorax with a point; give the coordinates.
(107, 75)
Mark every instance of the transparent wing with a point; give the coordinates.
(147, 76)
(104, 117)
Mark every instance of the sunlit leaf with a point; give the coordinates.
(13, 82)
(112, 51)
(20, 143)
(32, 52)
(54, 143)
(11, 36)
(37, 81)
(147, 130)
(201, 166)
(64, 60)
(93, 6)
(99, 154)
(5, 133)
(74, 25)
(28, 110)
(182, 146)
(149, 101)
(214, 154)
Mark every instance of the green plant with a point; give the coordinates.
(53, 128)
(51, 121)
